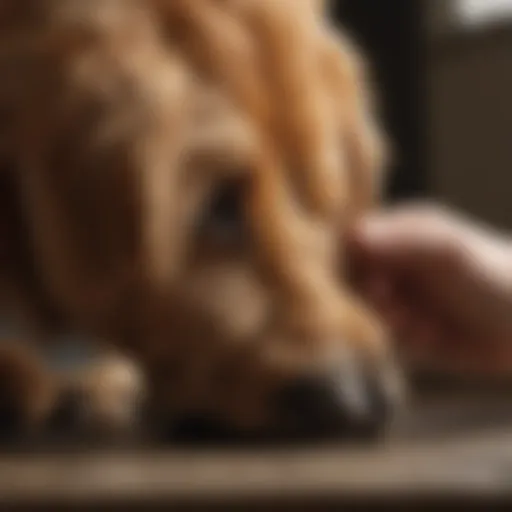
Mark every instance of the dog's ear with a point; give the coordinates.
(366, 149)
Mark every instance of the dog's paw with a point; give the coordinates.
(103, 401)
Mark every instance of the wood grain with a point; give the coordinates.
(446, 448)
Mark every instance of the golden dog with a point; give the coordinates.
(176, 179)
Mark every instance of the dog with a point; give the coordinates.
(177, 179)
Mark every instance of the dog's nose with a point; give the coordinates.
(345, 404)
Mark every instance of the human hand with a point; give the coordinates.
(443, 284)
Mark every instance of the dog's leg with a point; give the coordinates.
(101, 399)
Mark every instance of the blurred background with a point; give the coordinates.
(443, 69)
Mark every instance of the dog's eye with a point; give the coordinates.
(224, 218)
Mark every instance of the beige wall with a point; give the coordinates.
(470, 90)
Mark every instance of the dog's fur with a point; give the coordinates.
(176, 179)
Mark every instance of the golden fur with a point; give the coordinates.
(121, 123)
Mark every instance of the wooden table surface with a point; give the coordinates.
(443, 448)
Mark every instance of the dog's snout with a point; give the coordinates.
(350, 403)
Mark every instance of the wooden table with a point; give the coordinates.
(446, 449)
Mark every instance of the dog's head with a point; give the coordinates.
(192, 168)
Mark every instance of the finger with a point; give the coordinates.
(400, 319)
(403, 239)
(461, 353)
(378, 289)
(419, 343)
